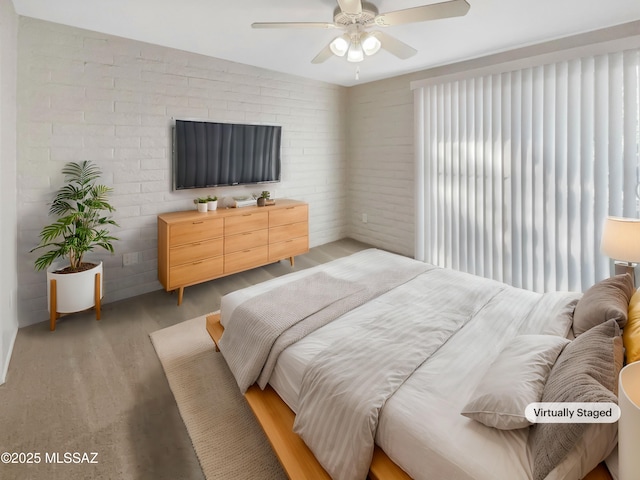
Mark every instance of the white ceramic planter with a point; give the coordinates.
(75, 291)
(202, 207)
(213, 205)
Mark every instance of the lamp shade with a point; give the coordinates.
(621, 239)
(629, 423)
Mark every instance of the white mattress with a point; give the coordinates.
(420, 427)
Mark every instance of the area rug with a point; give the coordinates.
(227, 438)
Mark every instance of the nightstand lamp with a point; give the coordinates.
(629, 423)
(621, 241)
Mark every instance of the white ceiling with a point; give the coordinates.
(222, 28)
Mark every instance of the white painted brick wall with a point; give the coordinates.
(381, 165)
(85, 95)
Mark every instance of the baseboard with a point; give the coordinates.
(7, 359)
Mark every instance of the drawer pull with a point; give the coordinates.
(246, 214)
(290, 208)
(197, 223)
(246, 251)
(246, 233)
(196, 263)
(196, 244)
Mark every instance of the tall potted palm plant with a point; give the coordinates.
(82, 208)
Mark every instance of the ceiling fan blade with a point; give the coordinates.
(323, 56)
(395, 46)
(292, 25)
(453, 8)
(350, 7)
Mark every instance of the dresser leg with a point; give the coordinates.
(291, 261)
(180, 294)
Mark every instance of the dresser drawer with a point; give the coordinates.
(244, 259)
(192, 252)
(287, 232)
(195, 230)
(284, 216)
(289, 248)
(246, 222)
(246, 240)
(195, 272)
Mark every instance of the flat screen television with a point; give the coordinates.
(210, 154)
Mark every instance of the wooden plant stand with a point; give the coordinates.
(53, 301)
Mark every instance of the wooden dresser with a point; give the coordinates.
(196, 247)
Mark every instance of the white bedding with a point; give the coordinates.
(420, 427)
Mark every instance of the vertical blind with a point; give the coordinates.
(517, 171)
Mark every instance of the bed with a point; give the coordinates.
(427, 340)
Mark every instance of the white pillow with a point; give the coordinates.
(514, 380)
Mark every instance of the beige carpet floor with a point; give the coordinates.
(227, 438)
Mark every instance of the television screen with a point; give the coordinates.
(209, 154)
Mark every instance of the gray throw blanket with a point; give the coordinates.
(345, 387)
(263, 326)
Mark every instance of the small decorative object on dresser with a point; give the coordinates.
(194, 248)
(80, 204)
(212, 203)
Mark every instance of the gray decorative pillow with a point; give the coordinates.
(586, 371)
(605, 300)
(514, 380)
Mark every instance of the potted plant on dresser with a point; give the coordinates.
(82, 208)
(263, 199)
(202, 204)
(212, 203)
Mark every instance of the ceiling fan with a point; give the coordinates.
(356, 18)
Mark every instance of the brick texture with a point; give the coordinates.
(381, 164)
(85, 95)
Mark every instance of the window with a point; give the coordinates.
(517, 170)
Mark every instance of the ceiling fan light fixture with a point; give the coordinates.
(370, 44)
(355, 17)
(339, 46)
(355, 53)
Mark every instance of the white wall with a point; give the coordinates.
(381, 164)
(86, 95)
(8, 231)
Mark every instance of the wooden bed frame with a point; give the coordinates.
(276, 419)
